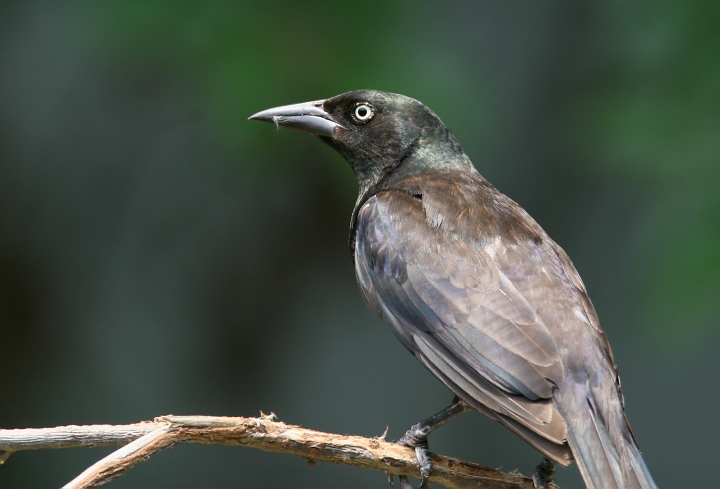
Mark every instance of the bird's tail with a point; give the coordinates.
(602, 441)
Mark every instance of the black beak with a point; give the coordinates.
(308, 117)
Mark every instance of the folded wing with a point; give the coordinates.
(461, 306)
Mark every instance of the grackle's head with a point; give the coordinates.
(374, 131)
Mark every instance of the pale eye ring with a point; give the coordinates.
(363, 112)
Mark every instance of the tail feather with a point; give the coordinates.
(602, 442)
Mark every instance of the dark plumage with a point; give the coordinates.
(474, 287)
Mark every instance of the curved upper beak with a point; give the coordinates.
(308, 117)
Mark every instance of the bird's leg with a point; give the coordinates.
(544, 474)
(416, 437)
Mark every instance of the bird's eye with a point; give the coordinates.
(363, 112)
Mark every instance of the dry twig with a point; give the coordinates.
(141, 440)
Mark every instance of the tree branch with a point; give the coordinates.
(141, 440)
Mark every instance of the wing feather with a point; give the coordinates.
(464, 317)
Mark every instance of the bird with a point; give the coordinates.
(475, 289)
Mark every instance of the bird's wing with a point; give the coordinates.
(463, 310)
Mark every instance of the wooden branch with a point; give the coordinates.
(141, 440)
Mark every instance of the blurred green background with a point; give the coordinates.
(161, 254)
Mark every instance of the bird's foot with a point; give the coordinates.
(544, 474)
(404, 482)
(416, 437)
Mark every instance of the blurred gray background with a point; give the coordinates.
(161, 254)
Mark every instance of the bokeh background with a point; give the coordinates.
(161, 254)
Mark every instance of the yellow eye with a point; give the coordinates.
(363, 112)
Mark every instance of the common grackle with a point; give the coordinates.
(475, 289)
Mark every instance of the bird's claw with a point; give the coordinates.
(423, 457)
(424, 483)
(544, 474)
(404, 482)
(416, 437)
